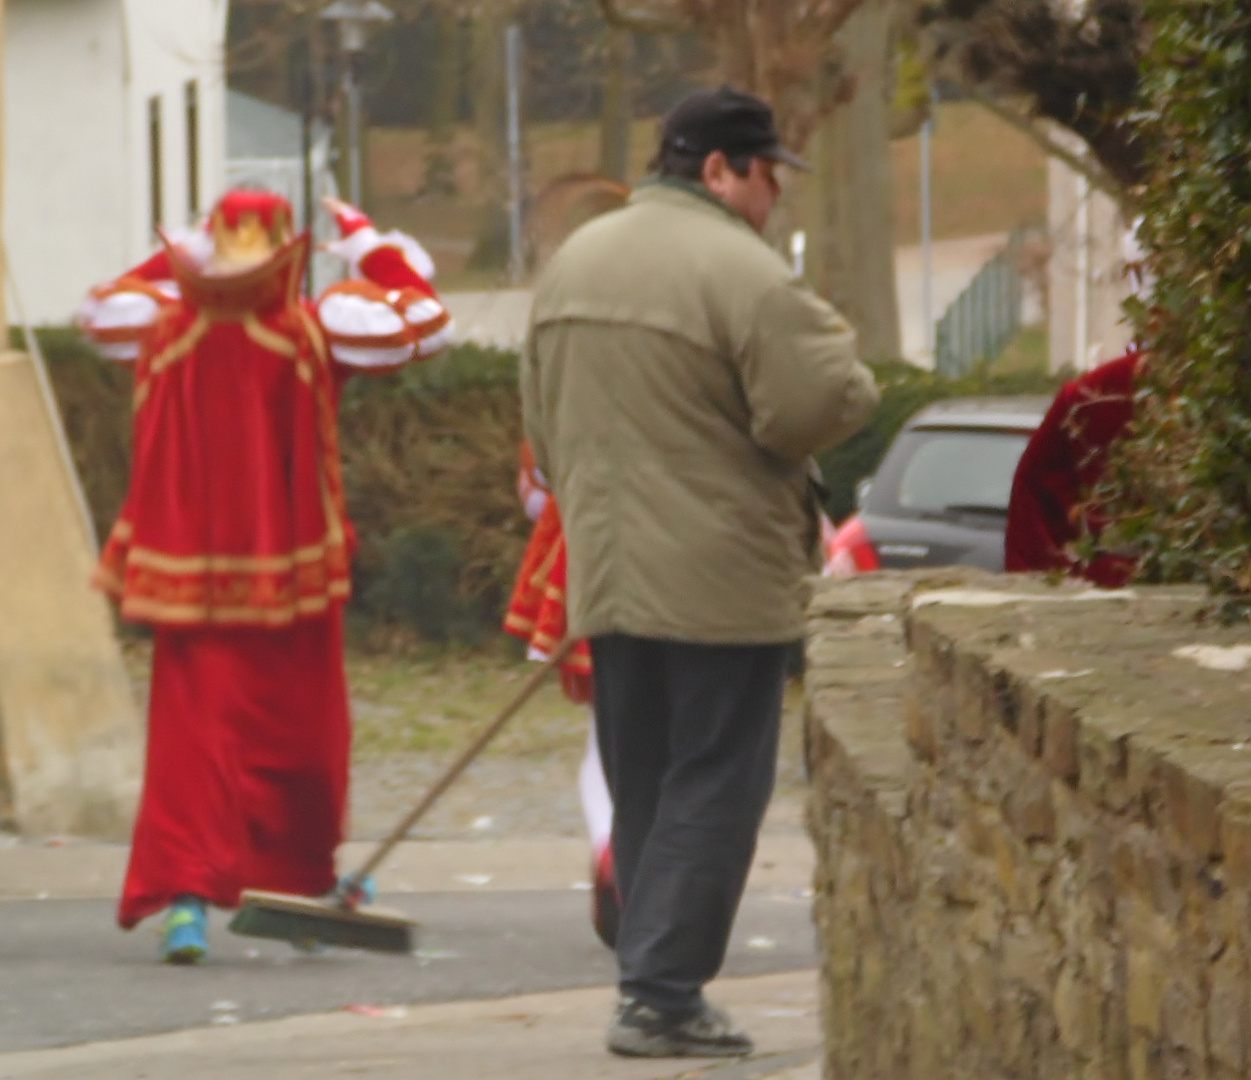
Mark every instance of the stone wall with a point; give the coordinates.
(1033, 823)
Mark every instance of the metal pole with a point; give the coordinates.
(512, 40)
(306, 168)
(352, 94)
(927, 234)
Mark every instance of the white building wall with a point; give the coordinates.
(79, 75)
(172, 43)
(1087, 282)
(66, 174)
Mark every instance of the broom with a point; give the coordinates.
(337, 919)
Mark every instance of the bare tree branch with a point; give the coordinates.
(1076, 63)
(644, 22)
(1027, 125)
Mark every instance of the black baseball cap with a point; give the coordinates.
(728, 120)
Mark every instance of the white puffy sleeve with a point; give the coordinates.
(371, 328)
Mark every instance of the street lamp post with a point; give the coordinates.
(512, 61)
(353, 18)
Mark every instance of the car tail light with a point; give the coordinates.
(848, 550)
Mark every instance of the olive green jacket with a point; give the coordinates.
(675, 382)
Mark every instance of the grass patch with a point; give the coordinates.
(437, 699)
(987, 177)
(432, 701)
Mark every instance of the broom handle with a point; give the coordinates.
(459, 765)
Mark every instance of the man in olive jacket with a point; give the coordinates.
(675, 383)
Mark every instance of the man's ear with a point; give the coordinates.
(716, 166)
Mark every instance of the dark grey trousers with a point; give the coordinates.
(689, 737)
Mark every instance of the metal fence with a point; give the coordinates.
(984, 318)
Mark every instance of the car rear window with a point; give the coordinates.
(948, 471)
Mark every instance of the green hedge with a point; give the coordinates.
(1179, 488)
(430, 462)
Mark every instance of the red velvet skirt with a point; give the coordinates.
(246, 778)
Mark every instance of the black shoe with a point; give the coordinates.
(638, 1030)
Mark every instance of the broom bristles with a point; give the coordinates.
(302, 919)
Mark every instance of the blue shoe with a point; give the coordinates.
(185, 938)
(367, 889)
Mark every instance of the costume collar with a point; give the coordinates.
(274, 283)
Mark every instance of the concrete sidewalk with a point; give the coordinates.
(556, 1036)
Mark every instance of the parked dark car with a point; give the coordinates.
(940, 495)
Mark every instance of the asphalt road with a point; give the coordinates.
(68, 975)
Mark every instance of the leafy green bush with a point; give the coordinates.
(1179, 487)
(94, 398)
(414, 584)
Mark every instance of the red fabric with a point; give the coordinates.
(349, 219)
(1061, 464)
(156, 268)
(235, 512)
(246, 778)
(386, 266)
(273, 211)
(536, 612)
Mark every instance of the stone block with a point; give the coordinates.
(1076, 1004)
(1181, 1010)
(1060, 735)
(978, 993)
(977, 828)
(972, 698)
(1144, 792)
(1144, 1058)
(927, 1060)
(1027, 959)
(919, 725)
(957, 878)
(1228, 1013)
(1028, 808)
(1031, 717)
(1235, 827)
(1014, 1043)
(1148, 976)
(1193, 783)
(1074, 819)
(1103, 759)
(1022, 875)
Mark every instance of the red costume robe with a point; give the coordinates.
(1061, 464)
(536, 612)
(234, 543)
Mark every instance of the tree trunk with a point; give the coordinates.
(441, 166)
(851, 248)
(616, 113)
(491, 244)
